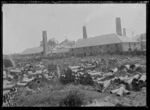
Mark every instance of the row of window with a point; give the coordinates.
(91, 53)
(99, 46)
(109, 46)
(133, 44)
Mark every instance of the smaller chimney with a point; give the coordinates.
(44, 42)
(124, 31)
(84, 32)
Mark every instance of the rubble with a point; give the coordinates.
(120, 80)
(121, 91)
(106, 84)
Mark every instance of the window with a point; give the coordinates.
(116, 45)
(99, 46)
(84, 54)
(129, 45)
(134, 44)
(129, 49)
(107, 45)
(90, 47)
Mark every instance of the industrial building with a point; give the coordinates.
(46, 49)
(141, 38)
(38, 51)
(111, 43)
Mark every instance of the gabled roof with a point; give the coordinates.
(102, 40)
(138, 37)
(126, 39)
(33, 50)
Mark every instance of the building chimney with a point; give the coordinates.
(118, 26)
(124, 31)
(44, 42)
(84, 32)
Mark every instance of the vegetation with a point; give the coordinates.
(68, 77)
(74, 98)
(7, 63)
(62, 92)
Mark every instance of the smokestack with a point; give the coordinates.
(124, 31)
(118, 26)
(84, 32)
(44, 42)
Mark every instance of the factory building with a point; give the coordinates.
(111, 43)
(46, 49)
(141, 38)
(38, 51)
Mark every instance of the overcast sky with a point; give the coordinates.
(23, 23)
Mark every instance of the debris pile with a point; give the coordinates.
(105, 75)
(118, 80)
(29, 75)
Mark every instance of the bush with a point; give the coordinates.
(7, 63)
(86, 79)
(51, 68)
(74, 99)
(119, 105)
(68, 78)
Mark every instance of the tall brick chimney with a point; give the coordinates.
(124, 31)
(118, 26)
(44, 43)
(84, 32)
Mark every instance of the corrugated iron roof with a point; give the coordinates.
(102, 40)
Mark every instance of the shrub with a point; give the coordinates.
(68, 78)
(7, 63)
(119, 105)
(51, 68)
(75, 98)
(86, 79)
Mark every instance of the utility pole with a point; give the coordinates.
(132, 34)
(141, 43)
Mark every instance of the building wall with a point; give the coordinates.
(94, 50)
(133, 46)
(61, 54)
(143, 45)
(31, 55)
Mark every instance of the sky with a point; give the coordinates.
(23, 23)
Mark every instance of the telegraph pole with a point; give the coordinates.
(141, 43)
(132, 34)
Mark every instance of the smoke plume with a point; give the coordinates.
(103, 10)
